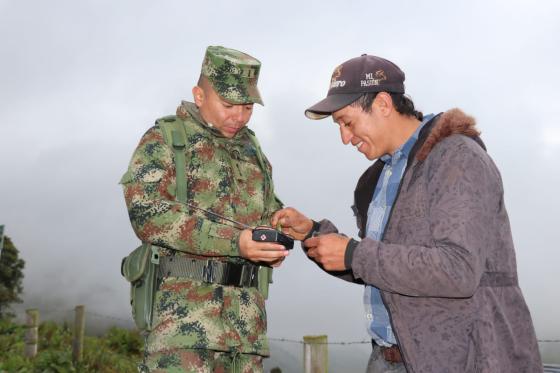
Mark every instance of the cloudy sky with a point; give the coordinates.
(81, 81)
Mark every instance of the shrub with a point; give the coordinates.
(119, 351)
(11, 276)
(125, 341)
(53, 361)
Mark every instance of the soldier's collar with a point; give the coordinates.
(189, 109)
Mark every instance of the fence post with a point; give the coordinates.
(79, 328)
(32, 333)
(315, 354)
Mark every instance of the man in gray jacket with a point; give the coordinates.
(436, 253)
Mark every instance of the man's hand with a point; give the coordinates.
(328, 249)
(269, 252)
(293, 222)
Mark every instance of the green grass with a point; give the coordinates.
(119, 350)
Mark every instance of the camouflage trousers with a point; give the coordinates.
(202, 361)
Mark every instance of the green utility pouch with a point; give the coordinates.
(265, 279)
(140, 268)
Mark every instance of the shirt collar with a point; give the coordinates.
(190, 109)
(404, 150)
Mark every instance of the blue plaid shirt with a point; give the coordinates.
(377, 317)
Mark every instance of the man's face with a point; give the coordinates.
(222, 115)
(368, 132)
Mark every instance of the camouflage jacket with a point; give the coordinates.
(224, 176)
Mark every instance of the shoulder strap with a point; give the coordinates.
(260, 155)
(175, 136)
(263, 165)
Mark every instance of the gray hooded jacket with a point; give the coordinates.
(446, 264)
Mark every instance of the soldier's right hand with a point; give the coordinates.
(268, 252)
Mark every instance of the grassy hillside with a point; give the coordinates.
(118, 350)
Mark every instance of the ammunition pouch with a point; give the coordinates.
(140, 269)
(144, 267)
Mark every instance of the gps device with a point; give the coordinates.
(265, 234)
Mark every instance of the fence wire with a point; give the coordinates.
(281, 340)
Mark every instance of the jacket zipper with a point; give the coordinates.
(380, 292)
(407, 169)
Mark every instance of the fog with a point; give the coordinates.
(80, 82)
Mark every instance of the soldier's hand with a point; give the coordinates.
(268, 252)
(328, 249)
(277, 262)
(293, 222)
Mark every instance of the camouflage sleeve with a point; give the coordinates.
(156, 217)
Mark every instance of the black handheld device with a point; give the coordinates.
(265, 234)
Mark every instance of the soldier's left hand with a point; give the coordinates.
(277, 263)
(268, 252)
(328, 249)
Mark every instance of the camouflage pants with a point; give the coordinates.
(203, 361)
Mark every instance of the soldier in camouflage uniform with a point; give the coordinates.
(207, 324)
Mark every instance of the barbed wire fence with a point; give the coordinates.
(275, 339)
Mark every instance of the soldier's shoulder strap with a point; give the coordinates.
(175, 136)
(260, 155)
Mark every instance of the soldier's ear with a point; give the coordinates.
(198, 95)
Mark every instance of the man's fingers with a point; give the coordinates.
(269, 251)
(284, 221)
(285, 217)
(277, 263)
(275, 217)
(269, 246)
(280, 216)
(270, 257)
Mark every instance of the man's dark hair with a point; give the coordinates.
(402, 103)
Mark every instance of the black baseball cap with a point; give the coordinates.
(355, 77)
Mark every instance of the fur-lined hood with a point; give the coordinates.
(449, 123)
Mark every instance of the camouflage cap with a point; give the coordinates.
(233, 74)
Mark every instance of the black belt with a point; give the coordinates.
(210, 271)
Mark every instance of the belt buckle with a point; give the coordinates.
(208, 272)
(248, 274)
(392, 354)
(253, 272)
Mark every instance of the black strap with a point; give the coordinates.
(210, 271)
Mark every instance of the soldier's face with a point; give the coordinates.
(222, 115)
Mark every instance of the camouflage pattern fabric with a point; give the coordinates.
(233, 74)
(204, 361)
(224, 176)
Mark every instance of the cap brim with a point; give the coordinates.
(255, 95)
(329, 105)
(254, 98)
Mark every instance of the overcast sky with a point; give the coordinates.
(81, 81)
